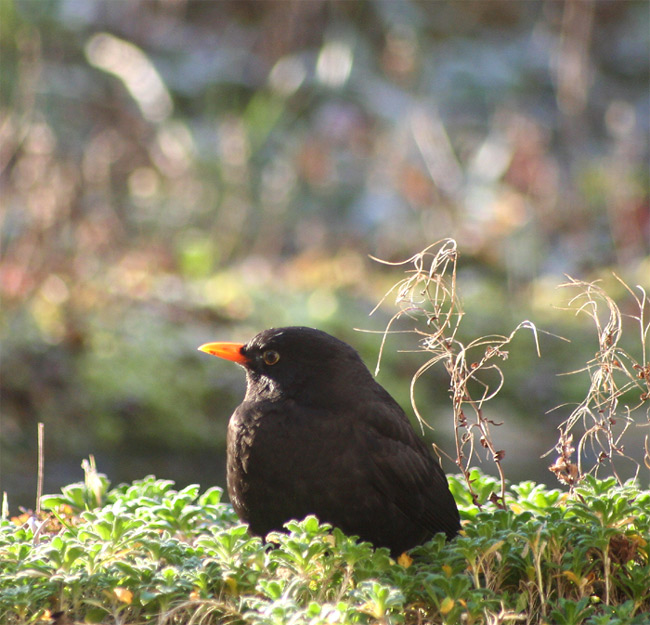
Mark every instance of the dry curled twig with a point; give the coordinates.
(428, 297)
(615, 377)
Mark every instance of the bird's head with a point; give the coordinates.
(286, 362)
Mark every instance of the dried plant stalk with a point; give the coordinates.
(428, 297)
(615, 376)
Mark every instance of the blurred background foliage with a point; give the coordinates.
(175, 172)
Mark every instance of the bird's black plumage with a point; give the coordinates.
(316, 434)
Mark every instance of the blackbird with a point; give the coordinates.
(316, 434)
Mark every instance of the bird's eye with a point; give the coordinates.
(270, 356)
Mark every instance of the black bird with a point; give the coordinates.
(316, 434)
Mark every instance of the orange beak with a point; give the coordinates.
(229, 351)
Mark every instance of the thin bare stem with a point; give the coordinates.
(615, 376)
(41, 464)
(428, 298)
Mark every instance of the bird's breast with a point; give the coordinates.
(276, 441)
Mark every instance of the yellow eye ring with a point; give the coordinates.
(270, 357)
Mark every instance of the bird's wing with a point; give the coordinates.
(405, 472)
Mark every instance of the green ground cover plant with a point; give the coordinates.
(148, 553)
